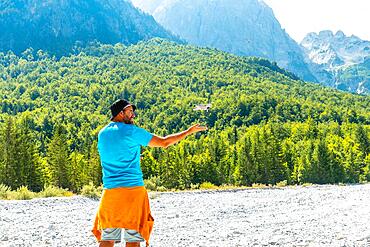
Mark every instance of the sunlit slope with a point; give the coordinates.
(166, 80)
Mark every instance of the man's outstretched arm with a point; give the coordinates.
(169, 140)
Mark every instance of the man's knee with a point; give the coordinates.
(106, 244)
(133, 244)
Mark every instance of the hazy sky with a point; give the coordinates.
(299, 17)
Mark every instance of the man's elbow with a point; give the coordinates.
(166, 143)
(161, 142)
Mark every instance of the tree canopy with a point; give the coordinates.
(265, 125)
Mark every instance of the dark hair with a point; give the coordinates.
(118, 106)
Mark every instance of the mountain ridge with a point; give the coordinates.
(57, 26)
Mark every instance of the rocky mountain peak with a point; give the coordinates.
(333, 55)
(326, 34)
(349, 49)
(340, 35)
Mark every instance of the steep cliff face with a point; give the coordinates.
(56, 25)
(338, 60)
(242, 27)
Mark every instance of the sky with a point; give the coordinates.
(299, 17)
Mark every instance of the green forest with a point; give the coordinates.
(265, 124)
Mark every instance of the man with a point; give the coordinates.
(124, 204)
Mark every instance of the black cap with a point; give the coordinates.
(118, 106)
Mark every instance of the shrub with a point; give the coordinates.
(91, 191)
(194, 186)
(260, 186)
(4, 191)
(282, 183)
(207, 186)
(22, 193)
(229, 187)
(154, 184)
(52, 191)
(307, 184)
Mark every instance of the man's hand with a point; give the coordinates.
(196, 128)
(158, 141)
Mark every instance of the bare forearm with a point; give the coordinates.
(169, 140)
(174, 138)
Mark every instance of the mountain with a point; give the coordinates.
(242, 27)
(338, 60)
(57, 26)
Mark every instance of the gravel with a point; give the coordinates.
(325, 215)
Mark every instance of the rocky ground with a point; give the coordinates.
(292, 216)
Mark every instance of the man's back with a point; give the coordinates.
(119, 148)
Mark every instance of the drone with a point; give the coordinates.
(202, 107)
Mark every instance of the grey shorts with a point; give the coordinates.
(115, 234)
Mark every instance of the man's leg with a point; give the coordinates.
(133, 244)
(106, 244)
(110, 236)
(132, 238)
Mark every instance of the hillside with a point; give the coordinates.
(171, 73)
(355, 77)
(60, 27)
(265, 125)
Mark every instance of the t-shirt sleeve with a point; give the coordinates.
(142, 136)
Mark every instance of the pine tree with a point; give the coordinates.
(321, 164)
(286, 157)
(278, 170)
(268, 155)
(94, 165)
(8, 156)
(28, 170)
(364, 143)
(311, 129)
(352, 160)
(58, 158)
(168, 169)
(149, 165)
(77, 171)
(233, 159)
(217, 150)
(334, 146)
(366, 170)
(248, 169)
(183, 161)
(306, 163)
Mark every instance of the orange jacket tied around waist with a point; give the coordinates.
(124, 208)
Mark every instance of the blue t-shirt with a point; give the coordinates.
(119, 148)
